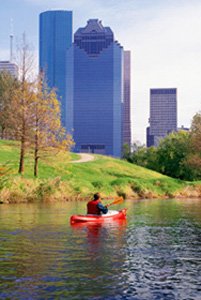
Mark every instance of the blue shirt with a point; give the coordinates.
(102, 208)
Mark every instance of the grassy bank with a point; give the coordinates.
(61, 180)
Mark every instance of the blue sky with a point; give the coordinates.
(164, 37)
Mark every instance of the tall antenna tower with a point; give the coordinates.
(11, 40)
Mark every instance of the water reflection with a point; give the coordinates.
(97, 235)
(163, 251)
(155, 254)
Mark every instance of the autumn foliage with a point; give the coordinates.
(30, 113)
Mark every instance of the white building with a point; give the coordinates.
(9, 67)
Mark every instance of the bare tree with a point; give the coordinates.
(24, 97)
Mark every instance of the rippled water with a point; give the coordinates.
(155, 254)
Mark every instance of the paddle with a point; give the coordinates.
(117, 201)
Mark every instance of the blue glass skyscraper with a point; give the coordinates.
(95, 96)
(55, 38)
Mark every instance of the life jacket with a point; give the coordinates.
(92, 207)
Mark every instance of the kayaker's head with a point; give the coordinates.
(97, 196)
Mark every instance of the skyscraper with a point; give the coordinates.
(95, 98)
(163, 114)
(55, 39)
(127, 95)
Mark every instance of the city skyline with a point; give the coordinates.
(164, 39)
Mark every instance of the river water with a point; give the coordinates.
(155, 254)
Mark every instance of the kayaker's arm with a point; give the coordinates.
(102, 208)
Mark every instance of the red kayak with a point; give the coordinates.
(111, 215)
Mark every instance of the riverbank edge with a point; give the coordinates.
(60, 179)
(21, 190)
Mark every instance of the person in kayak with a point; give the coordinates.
(95, 207)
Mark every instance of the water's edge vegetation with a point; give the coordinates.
(59, 179)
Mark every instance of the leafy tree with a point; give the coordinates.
(152, 158)
(134, 155)
(126, 152)
(48, 132)
(195, 132)
(169, 158)
(194, 157)
(142, 156)
(139, 156)
(178, 154)
(31, 111)
(172, 155)
(22, 114)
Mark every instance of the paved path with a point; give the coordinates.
(84, 157)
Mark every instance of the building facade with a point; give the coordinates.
(95, 96)
(9, 67)
(55, 38)
(127, 99)
(163, 114)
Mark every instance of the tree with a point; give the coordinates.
(142, 156)
(48, 132)
(152, 158)
(172, 155)
(138, 157)
(169, 158)
(8, 84)
(22, 114)
(126, 152)
(194, 157)
(31, 111)
(195, 132)
(23, 99)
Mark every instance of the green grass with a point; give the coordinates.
(49, 165)
(59, 178)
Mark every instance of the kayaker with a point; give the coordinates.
(95, 207)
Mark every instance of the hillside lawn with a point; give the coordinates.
(60, 179)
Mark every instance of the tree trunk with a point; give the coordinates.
(36, 167)
(22, 150)
(36, 163)
(36, 157)
(2, 132)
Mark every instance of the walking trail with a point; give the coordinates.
(84, 157)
